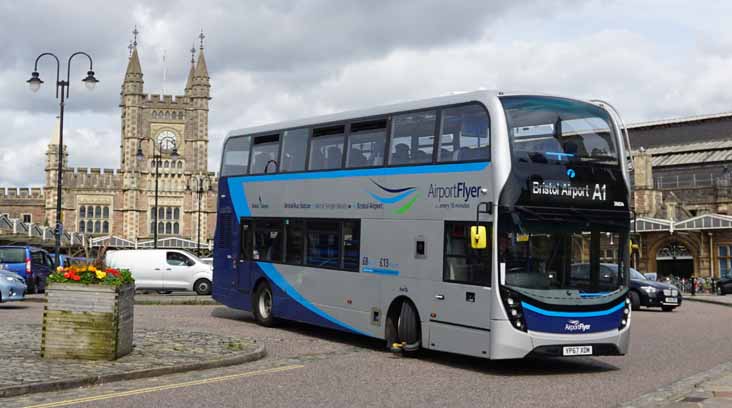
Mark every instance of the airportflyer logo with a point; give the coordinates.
(576, 325)
(405, 197)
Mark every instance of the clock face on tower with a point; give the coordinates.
(166, 140)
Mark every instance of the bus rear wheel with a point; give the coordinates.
(262, 305)
(403, 331)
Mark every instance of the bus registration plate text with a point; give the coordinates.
(577, 351)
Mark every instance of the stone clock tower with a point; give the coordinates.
(157, 125)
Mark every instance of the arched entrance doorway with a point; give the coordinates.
(675, 259)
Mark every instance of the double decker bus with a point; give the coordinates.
(488, 224)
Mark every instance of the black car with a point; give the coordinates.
(724, 286)
(645, 292)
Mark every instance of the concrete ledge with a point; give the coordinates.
(16, 390)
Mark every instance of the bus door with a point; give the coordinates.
(460, 318)
(244, 259)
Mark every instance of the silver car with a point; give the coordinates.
(12, 286)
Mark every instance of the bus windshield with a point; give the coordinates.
(545, 130)
(569, 260)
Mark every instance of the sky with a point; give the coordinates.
(277, 60)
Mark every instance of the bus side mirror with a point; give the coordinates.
(478, 237)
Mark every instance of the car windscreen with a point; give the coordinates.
(636, 275)
(12, 255)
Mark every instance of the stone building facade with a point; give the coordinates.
(683, 197)
(121, 202)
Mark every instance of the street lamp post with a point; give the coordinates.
(62, 86)
(168, 141)
(199, 182)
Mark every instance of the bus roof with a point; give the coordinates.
(462, 97)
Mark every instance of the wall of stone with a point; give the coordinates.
(18, 201)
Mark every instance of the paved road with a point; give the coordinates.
(310, 366)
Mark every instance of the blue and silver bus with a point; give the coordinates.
(480, 223)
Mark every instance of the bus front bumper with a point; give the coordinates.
(507, 342)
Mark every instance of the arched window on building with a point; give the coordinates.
(180, 164)
(152, 227)
(82, 226)
(169, 213)
(176, 228)
(89, 227)
(82, 212)
(161, 228)
(166, 164)
(105, 227)
(176, 213)
(168, 228)
(161, 213)
(97, 227)
(90, 212)
(105, 212)
(98, 212)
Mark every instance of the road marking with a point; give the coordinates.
(165, 387)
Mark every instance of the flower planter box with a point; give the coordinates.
(91, 322)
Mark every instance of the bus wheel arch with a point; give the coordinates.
(403, 329)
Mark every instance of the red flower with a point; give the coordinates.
(76, 278)
(67, 275)
(112, 272)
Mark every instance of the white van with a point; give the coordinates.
(163, 269)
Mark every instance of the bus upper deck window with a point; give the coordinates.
(294, 148)
(326, 148)
(366, 144)
(264, 154)
(236, 156)
(465, 134)
(412, 138)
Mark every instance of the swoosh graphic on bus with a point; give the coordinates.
(405, 192)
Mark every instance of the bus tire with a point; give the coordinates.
(408, 330)
(634, 300)
(262, 305)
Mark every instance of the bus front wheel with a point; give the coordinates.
(262, 305)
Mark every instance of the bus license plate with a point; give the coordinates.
(577, 351)
(672, 300)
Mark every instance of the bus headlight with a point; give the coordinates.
(626, 314)
(512, 304)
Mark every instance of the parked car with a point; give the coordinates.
(31, 263)
(163, 270)
(645, 292)
(12, 286)
(207, 261)
(724, 286)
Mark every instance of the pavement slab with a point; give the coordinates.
(155, 352)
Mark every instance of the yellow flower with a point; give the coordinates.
(59, 269)
(101, 274)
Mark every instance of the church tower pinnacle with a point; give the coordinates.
(200, 95)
